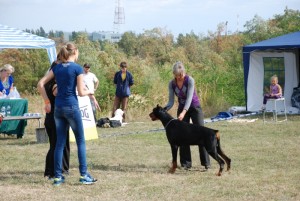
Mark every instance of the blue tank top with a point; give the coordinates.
(66, 78)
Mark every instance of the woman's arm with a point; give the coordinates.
(42, 91)
(171, 97)
(81, 88)
(11, 87)
(190, 93)
(92, 96)
(280, 90)
(11, 80)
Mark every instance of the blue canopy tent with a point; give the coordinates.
(17, 39)
(287, 47)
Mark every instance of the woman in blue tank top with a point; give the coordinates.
(69, 77)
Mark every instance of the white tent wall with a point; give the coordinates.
(256, 77)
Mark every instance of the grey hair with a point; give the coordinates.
(8, 67)
(178, 68)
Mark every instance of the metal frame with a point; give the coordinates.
(10, 118)
(275, 111)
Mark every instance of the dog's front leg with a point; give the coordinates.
(174, 149)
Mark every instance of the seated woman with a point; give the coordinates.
(6, 79)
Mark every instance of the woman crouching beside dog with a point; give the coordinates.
(183, 86)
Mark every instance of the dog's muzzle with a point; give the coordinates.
(152, 116)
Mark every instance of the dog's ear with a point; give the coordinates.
(160, 107)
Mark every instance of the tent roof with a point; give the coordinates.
(14, 38)
(287, 41)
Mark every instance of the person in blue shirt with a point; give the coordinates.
(51, 90)
(123, 80)
(69, 79)
(7, 80)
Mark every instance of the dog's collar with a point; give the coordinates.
(169, 123)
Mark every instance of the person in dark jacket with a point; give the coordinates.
(123, 80)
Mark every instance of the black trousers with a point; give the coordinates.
(196, 115)
(51, 131)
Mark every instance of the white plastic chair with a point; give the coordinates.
(275, 111)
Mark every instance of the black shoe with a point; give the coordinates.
(207, 167)
(65, 172)
(48, 177)
(187, 165)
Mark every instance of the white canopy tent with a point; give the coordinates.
(286, 47)
(17, 39)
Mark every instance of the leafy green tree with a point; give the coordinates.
(155, 44)
(51, 34)
(257, 29)
(42, 32)
(129, 43)
(288, 22)
(215, 61)
(74, 35)
(191, 44)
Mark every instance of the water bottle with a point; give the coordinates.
(3, 112)
(4, 93)
(16, 93)
(8, 111)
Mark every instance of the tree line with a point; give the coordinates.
(214, 60)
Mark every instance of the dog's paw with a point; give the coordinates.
(219, 174)
(173, 167)
(172, 170)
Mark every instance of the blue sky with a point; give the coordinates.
(176, 16)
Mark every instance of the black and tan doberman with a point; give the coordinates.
(181, 133)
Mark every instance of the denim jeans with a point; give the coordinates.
(64, 118)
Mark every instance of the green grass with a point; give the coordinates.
(265, 165)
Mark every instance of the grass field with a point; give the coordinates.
(131, 163)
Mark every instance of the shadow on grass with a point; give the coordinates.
(141, 168)
(13, 140)
(21, 176)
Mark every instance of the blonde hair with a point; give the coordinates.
(66, 51)
(7, 67)
(274, 77)
(178, 68)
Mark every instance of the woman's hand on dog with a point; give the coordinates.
(181, 115)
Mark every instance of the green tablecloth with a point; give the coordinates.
(18, 108)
